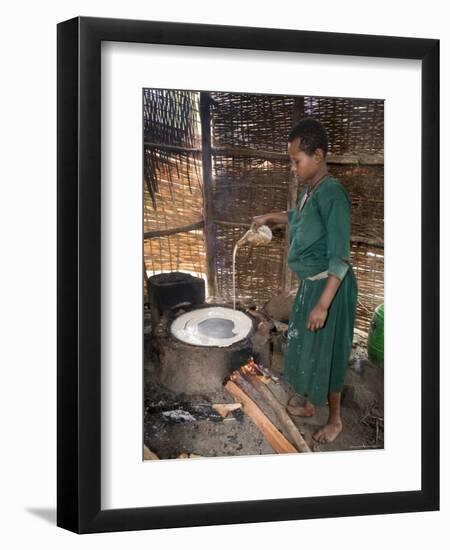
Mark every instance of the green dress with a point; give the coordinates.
(315, 362)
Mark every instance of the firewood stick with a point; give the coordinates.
(257, 398)
(149, 455)
(274, 437)
(225, 408)
(244, 384)
(282, 415)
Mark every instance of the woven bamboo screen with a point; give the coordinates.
(239, 168)
(172, 183)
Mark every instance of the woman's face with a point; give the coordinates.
(303, 166)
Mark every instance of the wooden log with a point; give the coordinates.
(167, 232)
(280, 411)
(149, 455)
(346, 159)
(287, 275)
(224, 408)
(233, 224)
(249, 152)
(274, 437)
(358, 239)
(255, 396)
(173, 148)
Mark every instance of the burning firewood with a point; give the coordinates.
(280, 411)
(275, 438)
(254, 381)
(255, 368)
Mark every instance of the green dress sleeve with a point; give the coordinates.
(335, 209)
(290, 215)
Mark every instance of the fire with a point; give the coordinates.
(254, 368)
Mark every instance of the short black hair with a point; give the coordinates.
(312, 136)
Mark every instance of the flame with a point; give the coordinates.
(255, 369)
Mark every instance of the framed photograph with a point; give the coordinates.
(235, 207)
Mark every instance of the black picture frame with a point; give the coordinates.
(79, 282)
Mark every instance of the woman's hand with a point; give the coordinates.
(259, 220)
(317, 317)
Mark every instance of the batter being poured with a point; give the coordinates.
(254, 237)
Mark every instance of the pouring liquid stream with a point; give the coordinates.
(253, 238)
(236, 246)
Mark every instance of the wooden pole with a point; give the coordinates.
(363, 159)
(286, 281)
(174, 231)
(274, 437)
(209, 229)
(280, 411)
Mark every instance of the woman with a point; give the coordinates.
(321, 323)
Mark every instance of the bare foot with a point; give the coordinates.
(301, 410)
(328, 433)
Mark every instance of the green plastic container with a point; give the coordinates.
(375, 340)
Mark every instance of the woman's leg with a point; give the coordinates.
(341, 352)
(334, 425)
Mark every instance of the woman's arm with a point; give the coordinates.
(319, 313)
(274, 217)
(336, 213)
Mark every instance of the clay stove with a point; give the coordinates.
(198, 346)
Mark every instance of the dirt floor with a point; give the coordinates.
(176, 424)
